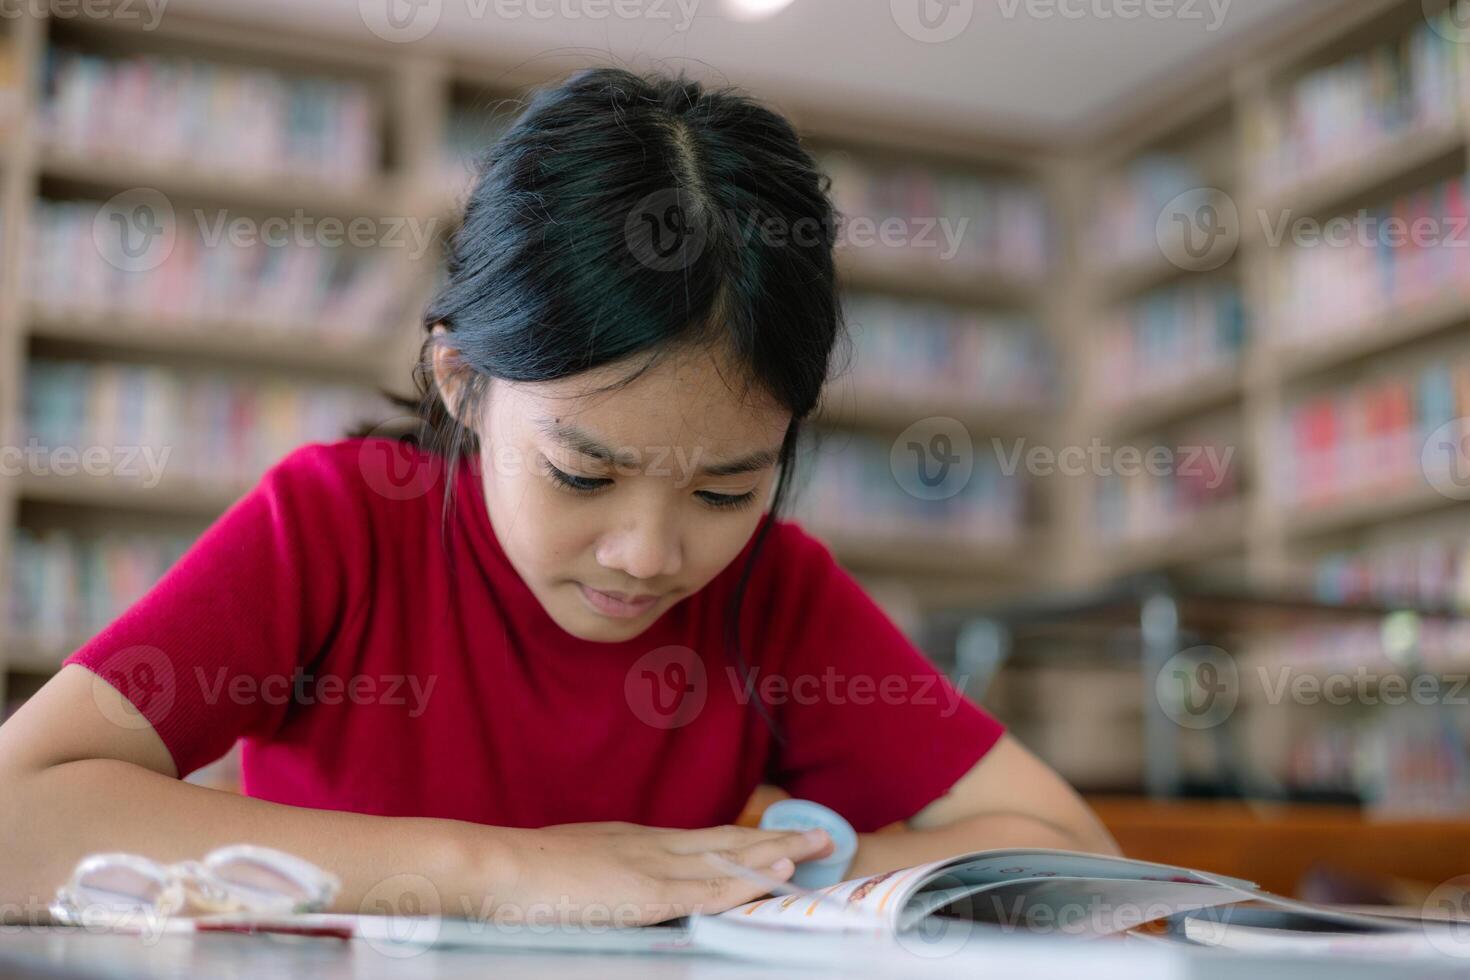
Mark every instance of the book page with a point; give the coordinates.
(882, 901)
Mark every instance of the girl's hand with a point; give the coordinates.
(624, 874)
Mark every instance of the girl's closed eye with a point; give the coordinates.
(589, 485)
(577, 484)
(724, 501)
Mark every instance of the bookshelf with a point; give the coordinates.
(1351, 357)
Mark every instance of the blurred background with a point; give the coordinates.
(1154, 435)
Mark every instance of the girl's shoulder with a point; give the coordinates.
(371, 470)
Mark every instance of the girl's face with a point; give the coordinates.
(614, 505)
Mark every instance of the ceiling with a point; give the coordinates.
(1048, 69)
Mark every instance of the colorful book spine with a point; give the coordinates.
(1368, 438)
(1166, 487)
(1167, 340)
(928, 215)
(1433, 572)
(954, 356)
(1368, 101)
(65, 587)
(1357, 269)
(218, 118)
(150, 425)
(853, 489)
(1124, 229)
(203, 281)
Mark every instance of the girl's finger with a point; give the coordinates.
(717, 893)
(757, 856)
(721, 838)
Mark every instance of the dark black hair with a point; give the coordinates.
(625, 214)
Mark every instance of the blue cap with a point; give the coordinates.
(806, 815)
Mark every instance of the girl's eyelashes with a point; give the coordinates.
(589, 485)
(724, 501)
(577, 484)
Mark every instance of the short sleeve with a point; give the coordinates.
(211, 652)
(870, 726)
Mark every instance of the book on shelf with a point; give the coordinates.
(952, 355)
(65, 587)
(1123, 229)
(1361, 271)
(167, 110)
(860, 482)
(1365, 103)
(1372, 437)
(204, 278)
(1167, 340)
(1163, 488)
(997, 225)
(150, 426)
(1432, 572)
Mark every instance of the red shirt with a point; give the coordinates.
(380, 655)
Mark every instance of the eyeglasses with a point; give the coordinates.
(115, 889)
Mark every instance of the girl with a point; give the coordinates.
(545, 652)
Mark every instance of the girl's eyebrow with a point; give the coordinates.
(580, 441)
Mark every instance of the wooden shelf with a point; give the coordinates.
(24, 656)
(1316, 193)
(185, 498)
(1213, 533)
(1375, 335)
(1188, 396)
(846, 408)
(291, 348)
(1134, 277)
(924, 552)
(870, 269)
(1276, 844)
(1365, 507)
(277, 193)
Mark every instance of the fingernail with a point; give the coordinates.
(817, 836)
(783, 866)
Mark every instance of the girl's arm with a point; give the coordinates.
(82, 772)
(1009, 799)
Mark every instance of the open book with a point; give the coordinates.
(939, 908)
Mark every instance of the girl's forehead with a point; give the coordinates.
(666, 406)
(692, 392)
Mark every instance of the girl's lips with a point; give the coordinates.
(610, 605)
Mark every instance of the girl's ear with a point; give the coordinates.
(449, 371)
